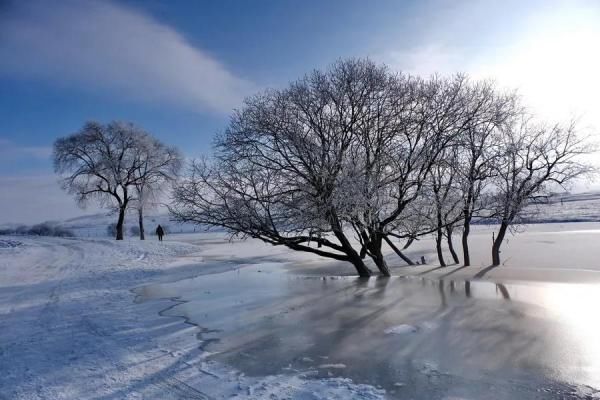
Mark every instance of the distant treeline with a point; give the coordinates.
(43, 229)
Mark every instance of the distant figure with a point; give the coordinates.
(160, 232)
(423, 260)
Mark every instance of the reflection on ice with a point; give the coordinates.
(410, 336)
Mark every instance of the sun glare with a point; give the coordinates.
(576, 306)
(555, 65)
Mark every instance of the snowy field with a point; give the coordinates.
(100, 319)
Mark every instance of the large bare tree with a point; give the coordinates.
(338, 152)
(280, 166)
(102, 162)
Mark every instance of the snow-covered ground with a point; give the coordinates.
(100, 319)
(70, 328)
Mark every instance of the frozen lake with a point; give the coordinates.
(416, 338)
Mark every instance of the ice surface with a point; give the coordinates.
(438, 338)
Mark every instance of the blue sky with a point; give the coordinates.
(179, 68)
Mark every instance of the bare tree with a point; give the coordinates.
(487, 110)
(534, 157)
(342, 151)
(158, 166)
(445, 195)
(404, 142)
(344, 160)
(278, 167)
(100, 162)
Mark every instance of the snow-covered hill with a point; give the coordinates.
(579, 207)
(96, 225)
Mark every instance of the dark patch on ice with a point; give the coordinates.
(9, 244)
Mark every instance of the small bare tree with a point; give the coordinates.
(158, 167)
(100, 162)
(534, 157)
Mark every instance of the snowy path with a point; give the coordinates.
(70, 328)
(67, 326)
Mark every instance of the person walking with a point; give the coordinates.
(160, 232)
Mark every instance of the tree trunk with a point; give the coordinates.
(397, 251)
(141, 223)
(503, 290)
(377, 256)
(438, 247)
(439, 236)
(354, 257)
(120, 222)
(449, 232)
(381, 264)
(465, 240)
(498, 242)
(362, 270)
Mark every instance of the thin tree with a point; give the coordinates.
(535, 157)
(447, 202)
(158, 167)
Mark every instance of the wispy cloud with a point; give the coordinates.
(429, 59)
(36, 198)
(102, 45)
(10, 151)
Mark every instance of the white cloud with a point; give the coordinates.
(102, 45)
